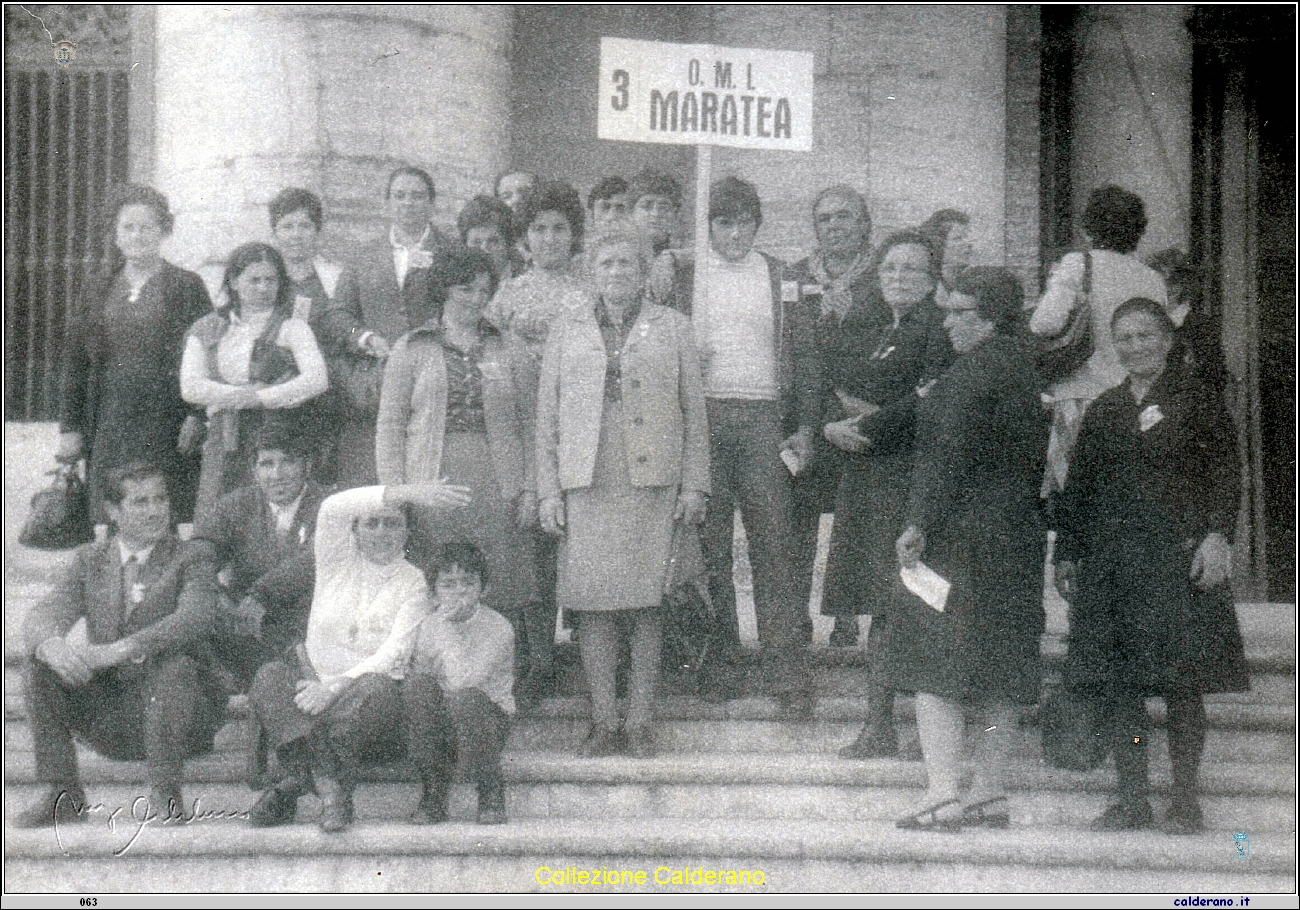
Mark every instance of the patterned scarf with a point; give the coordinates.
(837, 294)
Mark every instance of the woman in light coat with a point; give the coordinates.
(622, 465)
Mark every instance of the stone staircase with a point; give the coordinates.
(732, 789)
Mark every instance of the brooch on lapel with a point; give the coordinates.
(137, 593)
(924, 388)
(1149, 417)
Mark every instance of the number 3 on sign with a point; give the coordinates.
(90, 902)
(619, 101)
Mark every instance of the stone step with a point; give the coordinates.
(533, 734)
(724, 769)
(1269, 705)
(791, 854)
(379, 801)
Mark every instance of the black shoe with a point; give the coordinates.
(492, 802)
(987, 813)
(928, 819)
(640, 742)
(56, 806)
(601, 743)
(534, 687)
(1184, 818)
(845, 633)
(432, 809)
(721, 681)
(276, 806)
(1125, 816)
(874, 741)
(336, 813)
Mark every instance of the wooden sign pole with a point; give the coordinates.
(703, 176)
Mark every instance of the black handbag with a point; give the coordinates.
(60, 517)
(1071, 732)
(1061, 355)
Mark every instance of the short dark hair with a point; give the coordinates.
(486, 211)
(905, 238)
(650, 182)
(606, 188)
(138, 194)
(999, 296)
(136, 471)
(411, 171)
(1143, 305)
(732, 197)
(847, 192)
(296, 199)
(288, 435)
(242, 258)
(935, 229)
(459, 554)
(555, 196)
(456, 266)
(1115, 219)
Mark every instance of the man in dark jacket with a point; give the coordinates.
(260, 539)
(117, 655)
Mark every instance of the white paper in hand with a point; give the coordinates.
(926, 584)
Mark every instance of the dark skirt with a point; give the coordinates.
(1140, 623)
(869, 509)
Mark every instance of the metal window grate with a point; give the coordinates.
(65, 146)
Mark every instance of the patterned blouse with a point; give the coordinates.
(464, 390)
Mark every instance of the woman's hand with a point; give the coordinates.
(1066, 574)
(526, 510)
(314, 697)
(855, 407)
(550, 511)
(1212, 563)
(376, 346)
(437, 495)
(691, 506)
(70, 448)
(909, 546)
(844, 435)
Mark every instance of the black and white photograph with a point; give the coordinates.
(635, 449)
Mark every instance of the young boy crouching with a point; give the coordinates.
(458, 689)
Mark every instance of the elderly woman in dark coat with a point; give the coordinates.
(973, 517)
(121, 397)
(892, 344)
(1142, 553)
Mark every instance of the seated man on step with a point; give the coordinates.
(120, 655)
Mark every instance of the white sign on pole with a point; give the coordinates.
(693, 94)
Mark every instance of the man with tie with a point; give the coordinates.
(259, 537)
(118, 655)
(384, 295)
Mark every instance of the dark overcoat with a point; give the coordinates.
(882, 364)
(977, 466)
(1148, 481)
(121, 379)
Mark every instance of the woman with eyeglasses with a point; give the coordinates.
(891, 345)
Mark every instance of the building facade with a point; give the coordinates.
(1011, 113)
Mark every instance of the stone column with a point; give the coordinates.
(1133, 112)
(251, 99)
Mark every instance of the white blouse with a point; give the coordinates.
(364, 616)
(233, 357)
